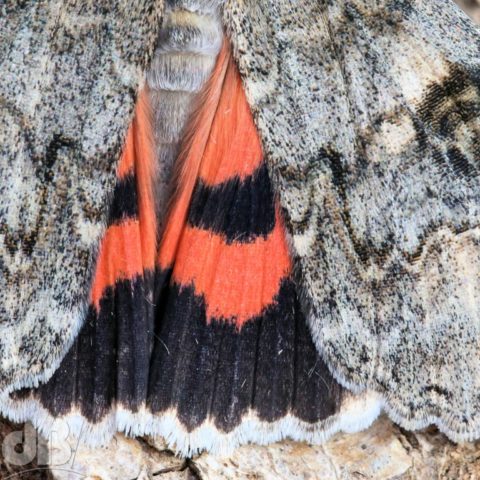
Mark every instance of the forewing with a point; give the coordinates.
(369, 114)
(70, 73)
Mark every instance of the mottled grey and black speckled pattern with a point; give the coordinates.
(369, 115)
(70, 73)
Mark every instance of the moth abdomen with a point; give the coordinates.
(187, 48)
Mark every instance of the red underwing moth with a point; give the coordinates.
(220, 354)
(319, 236)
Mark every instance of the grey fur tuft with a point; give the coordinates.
(185, 55)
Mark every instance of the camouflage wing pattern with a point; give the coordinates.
(70, 73)
(369, 117)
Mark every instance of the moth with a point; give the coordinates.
(234, 221)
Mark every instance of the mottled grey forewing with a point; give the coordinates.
(369, 115)
(69, 75)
